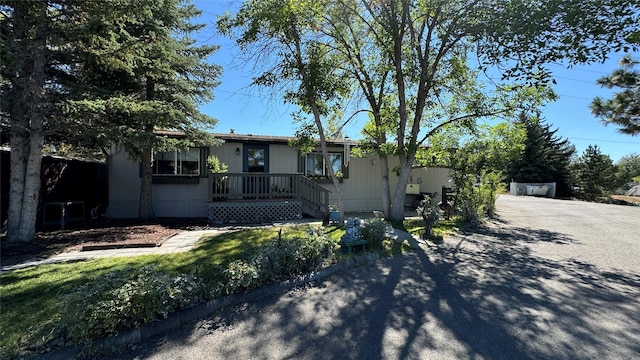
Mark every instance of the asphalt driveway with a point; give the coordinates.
(547, 280)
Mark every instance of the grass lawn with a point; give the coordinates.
(30, 298)
(442, 228)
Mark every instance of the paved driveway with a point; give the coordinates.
(548, 280)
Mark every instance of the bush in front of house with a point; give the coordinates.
(239, 275)
(130, 297)
(430, 213)
(375, 232)
(125, 299)
(276, 260)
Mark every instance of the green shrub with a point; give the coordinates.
(374, 231)
(430, 213)
(477, 201)
(283, 258)
(125, 299)
(238, 276)
(278, 259)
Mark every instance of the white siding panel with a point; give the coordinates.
(124, 185)
(436, 177)
(361, 190)
(283, 159)
(181, 200)
(169, 200)
(227, 154)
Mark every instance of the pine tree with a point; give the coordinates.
(623, 109)
(84, 73)
(595, 174)
(546, 157)
(143, 73)
(33, 59)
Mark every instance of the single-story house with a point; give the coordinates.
(266, 180)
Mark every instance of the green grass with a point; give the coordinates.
(441, 228)
(30, 298)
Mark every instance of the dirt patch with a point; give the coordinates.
(98, 234)
(635, 200)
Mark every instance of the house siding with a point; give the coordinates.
(124, 185)
(361, 189)
(169, 200)
(435, 178)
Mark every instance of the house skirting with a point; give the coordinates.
(252, 211)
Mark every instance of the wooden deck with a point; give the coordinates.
(263, 197)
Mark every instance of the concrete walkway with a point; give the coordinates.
(181, 242)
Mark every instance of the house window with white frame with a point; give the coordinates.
(315, 166)
(177, 162)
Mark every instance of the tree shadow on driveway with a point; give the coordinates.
(485, 295)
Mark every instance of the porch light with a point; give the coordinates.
(238, 151)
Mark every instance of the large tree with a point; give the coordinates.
(546, 157)
(595, 174)
(410, 59)
(32, 55)
(623, 109)
(283, 34)
(142, 72)
(67, 74)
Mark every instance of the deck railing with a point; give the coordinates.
(257, 186)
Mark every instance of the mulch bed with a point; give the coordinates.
(98, 234)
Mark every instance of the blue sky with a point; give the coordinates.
(257, 111)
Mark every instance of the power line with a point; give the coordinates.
(574, 97)
(602, 140)
(574, 69)
(582, 81)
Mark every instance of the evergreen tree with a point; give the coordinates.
(142, 73)
(629, 168)
(91, 73)
(546, 157)
(623, 109)
(34, 61)
(595, 174)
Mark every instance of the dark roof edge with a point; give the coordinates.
(272, 139)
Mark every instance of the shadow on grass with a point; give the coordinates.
(483, 295)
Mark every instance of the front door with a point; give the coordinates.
(256, 160)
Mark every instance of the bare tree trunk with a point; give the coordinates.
(312, 101)
(386, 187)
(26, 119)
(19, 142)
(397, 207)
(145, 209)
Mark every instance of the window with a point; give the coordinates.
(315, 166)
(177, 162)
